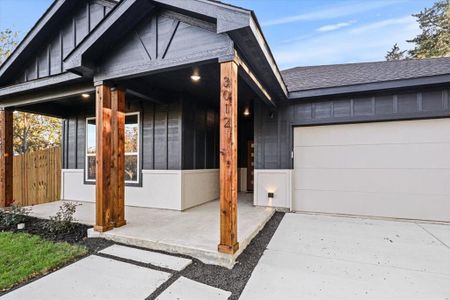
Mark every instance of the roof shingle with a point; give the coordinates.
(326, 76)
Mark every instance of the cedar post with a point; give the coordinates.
(6, 157)
(228, 157)
(118, 157)
(103, 159)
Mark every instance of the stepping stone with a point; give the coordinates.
(93, 277)
(186, 289)
(148, 257)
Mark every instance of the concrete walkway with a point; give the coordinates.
(119, 272)
(326, 257)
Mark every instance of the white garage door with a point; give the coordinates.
(391, 169)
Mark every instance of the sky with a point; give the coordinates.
(299, 32)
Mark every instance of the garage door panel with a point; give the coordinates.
(437, 130)
(374, 204)
(393, 169)
(415, 181)
(374, 156)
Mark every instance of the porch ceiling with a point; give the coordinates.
(179, 82)
(160, 88)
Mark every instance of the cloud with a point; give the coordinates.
(368, 42)
(336, 26)
(343, 10)
(385, 23)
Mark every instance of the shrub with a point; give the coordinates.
(62, 222)
(14, 215)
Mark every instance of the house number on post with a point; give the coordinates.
(227, 96)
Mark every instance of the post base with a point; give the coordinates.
(120, 223)
(228, 249)
(102, 228)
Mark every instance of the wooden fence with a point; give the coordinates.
(37, 177)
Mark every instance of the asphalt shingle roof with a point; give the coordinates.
(316, 77)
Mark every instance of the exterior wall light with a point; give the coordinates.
(85, 95)
(270, 196)
(195, 77)
(246, 112)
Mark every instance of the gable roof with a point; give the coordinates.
(240, 24)
(332, 76)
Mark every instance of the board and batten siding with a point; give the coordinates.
(61, 40)
(161, 40)
(180, 135)
(200, 136)
(273, 127)
(160, 134)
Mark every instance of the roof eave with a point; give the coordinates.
(369, 87)
(257, 31)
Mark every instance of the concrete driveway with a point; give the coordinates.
(327, 257)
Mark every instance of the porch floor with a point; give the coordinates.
(194, 232)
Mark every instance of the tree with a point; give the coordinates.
(434, 41)
(35, 132)
(31, 132)
(395, 53)
(8, 41)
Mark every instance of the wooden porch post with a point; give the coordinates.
(118, 157)
(6, 157)
(228, 157)
(103, 159)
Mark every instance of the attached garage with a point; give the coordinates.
(397, 169)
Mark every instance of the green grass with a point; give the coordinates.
(23, 256)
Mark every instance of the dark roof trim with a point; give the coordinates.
(228, 17)
(40, 24)
(107, 3)
(252, 80)
(36, 84)
(172, 64)
(370, 87)
(254, 25)
(60, 92)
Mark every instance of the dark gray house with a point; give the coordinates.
(172, 103)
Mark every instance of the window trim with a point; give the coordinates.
(87, 155)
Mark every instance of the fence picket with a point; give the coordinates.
(37, 177)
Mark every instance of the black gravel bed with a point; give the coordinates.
(233, 280)
(78, 234)
(37, 226)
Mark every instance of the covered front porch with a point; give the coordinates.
(158, 114)
(193, 232)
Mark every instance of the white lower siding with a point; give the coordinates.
(167, 189)
(278, 182)
(242, 179)
(198, 187)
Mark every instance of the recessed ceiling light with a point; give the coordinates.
(85, 95)
(195, 77)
